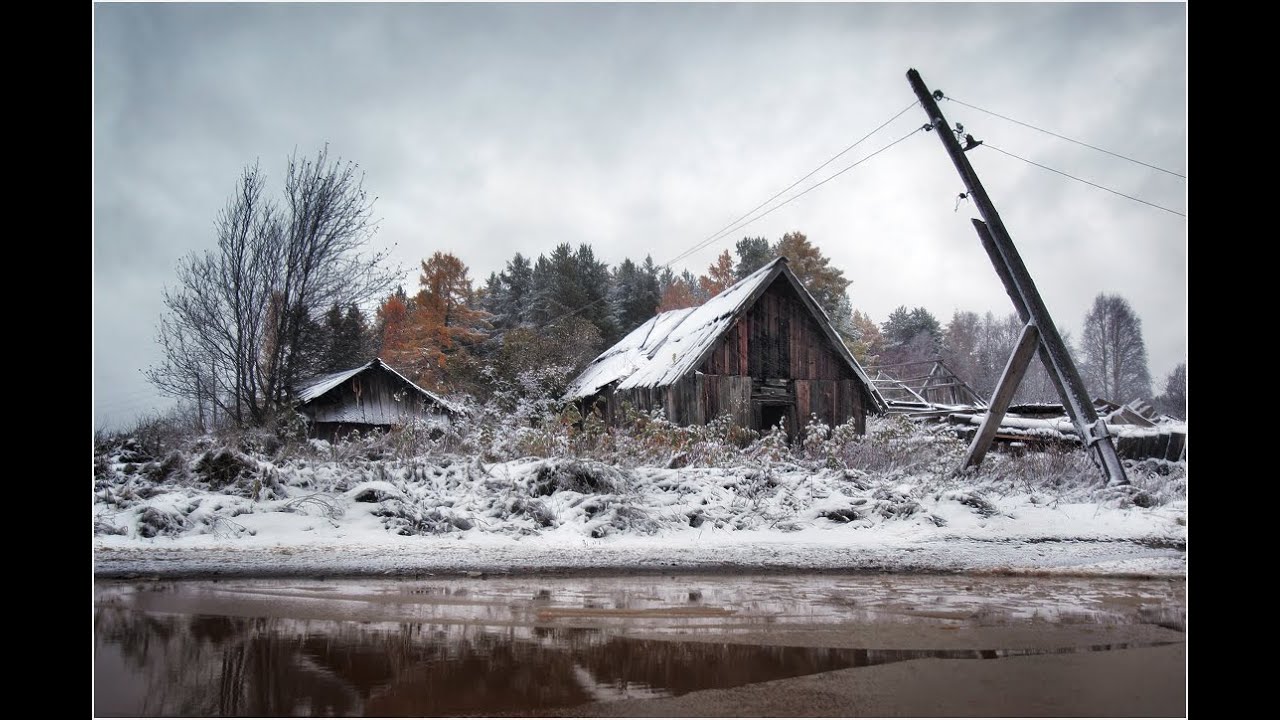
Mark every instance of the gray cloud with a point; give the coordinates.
(490, 129)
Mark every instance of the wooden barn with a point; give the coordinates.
(370, 397)
(762, 351)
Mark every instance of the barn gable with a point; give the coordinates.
(371, 396)
(763, 351)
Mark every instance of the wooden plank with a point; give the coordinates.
(725, 394)
(803, 388)
(841, 412)
(860, 408)
(1014, 370)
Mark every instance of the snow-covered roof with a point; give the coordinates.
(323, 384)
(319, 386)
(675, 343)
(625, 358)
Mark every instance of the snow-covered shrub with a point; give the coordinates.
(408, 519)
(374, 492)
(103, 524)
(318, 503)
(172, 469)
(816, 438)
(1053, 469)
(625, 519)
(844, 515)
(972, 499)
(153, 522)
(224, 467)
(581, 476)
(257, 441)
(892, 502)
(291, 427)
(773, 447)
(498, 472)
(896, 447)
(719, 443)
(535, 510)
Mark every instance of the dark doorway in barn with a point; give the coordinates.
(773, 413)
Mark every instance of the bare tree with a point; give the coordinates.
(977, 348)
(242, 324)
(1113, 353)
(1173, 401)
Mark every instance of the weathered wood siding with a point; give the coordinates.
(693, 400)
(834, 402)
(777, 338)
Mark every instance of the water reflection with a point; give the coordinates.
(513, 646)
(201, 665)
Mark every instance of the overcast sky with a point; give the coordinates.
(490, 129)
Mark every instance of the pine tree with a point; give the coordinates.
(634, 295)
(354, 347)
(509, 293)
(347, 334)
(596, 280)
(753, 254)
(911, 336)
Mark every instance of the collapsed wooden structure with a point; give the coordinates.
(1137, 436)
(904, 388)
(940, 396)
(762, 351)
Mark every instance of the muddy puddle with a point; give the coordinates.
(450, 647)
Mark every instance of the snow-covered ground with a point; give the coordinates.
(213, 510)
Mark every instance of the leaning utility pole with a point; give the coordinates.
(1030, 306)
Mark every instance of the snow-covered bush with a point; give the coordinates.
(581, 476)
(519, 472)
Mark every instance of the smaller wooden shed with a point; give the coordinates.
(370, 397)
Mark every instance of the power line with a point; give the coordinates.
(1086, 182)
(1064, 137)
(721, 232)
(797, 196)
(740, 223)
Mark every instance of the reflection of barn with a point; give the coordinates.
(220, 666)
(762, 351)
(370, 397)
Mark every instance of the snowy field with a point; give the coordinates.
(889, 501)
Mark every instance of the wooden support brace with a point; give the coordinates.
(1014, 371)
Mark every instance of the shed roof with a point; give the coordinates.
(317, 387)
